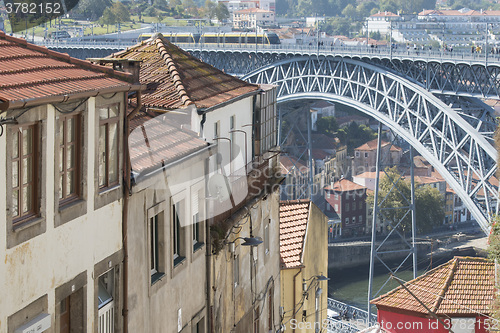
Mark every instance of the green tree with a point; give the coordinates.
(107, 18)
(210, 9)
(221, 12)
(93, 9)
(121, 13)
(350, 11)
(429, 203)
(327, 125)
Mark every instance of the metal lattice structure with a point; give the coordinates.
(456, 72)
(456, 145)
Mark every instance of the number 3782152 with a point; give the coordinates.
(33, 8)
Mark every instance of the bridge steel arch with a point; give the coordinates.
(455, 148)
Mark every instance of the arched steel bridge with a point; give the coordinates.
(429, 99)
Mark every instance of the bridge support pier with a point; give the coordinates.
(396, 217)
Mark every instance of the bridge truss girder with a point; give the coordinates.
(456, 149)
(436, 75)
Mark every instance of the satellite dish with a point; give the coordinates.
(219, 187)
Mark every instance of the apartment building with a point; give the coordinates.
(204, 205)
(61, 204)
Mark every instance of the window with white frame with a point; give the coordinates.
(346, 220)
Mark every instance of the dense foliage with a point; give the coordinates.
(429, 203)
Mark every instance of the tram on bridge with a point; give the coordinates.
(226, 38)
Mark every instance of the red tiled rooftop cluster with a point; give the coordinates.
(461, 286)
(29, 72)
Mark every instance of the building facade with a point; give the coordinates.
(304, 266)
(365, 156)
(204, 174)
(252, 18)
(61, 144)
(348, 200)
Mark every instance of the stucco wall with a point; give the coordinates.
(233, 307)
(315, 262)
(154, 307)
(36, 267)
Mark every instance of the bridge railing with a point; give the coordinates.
(351, 312)
(361, 51)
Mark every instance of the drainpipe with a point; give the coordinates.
(127, 169)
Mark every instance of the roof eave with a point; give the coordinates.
(201, 111)
(22, 103)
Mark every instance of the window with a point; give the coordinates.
(354, 219)
(265, 122)
(69, 158)
(270, 317)
(336, 208)
(346, 220)
(347, 207)
(177, 234)
(216, 129)
(366, 154)
(198, 227)
(24, 173)
(336, 197)
(105, 292)
(328, 194)
(360, 219)
(356, 153)
(108, 145)
(236, 271)
(154, 247)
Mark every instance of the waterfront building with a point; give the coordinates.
(348, 200)
(61, 202)
(204, 196)
(459, 292)
(304, 265)
(365, 156)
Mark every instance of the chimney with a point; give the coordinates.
(123, 65)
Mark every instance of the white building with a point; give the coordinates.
(61, 201)
(252, 18)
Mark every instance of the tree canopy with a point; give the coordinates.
(429, 203)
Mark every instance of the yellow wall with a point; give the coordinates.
(315, 262)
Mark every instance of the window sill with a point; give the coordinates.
(178, 261)
(105, 190)
(156, 277)
(197, 247)
(68, 204)
(23, 225)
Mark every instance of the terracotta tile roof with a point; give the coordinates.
(384, 14)
(344, 185)
(252, 10)
(372, 145)
(176, 79)
(30, 73)
(157, 141)
(293, 226)
(462, 286)
(288, 163)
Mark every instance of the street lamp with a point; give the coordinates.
(248, 241)
(320, 277)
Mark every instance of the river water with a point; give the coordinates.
(351, 285)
